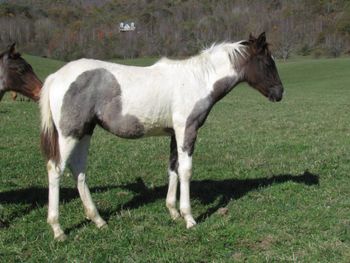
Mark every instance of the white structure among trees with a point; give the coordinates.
(124, 27)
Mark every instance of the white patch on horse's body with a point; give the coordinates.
(171, 97)
(159, 96)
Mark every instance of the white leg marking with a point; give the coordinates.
(78, 165)
(53, 209)
(185, 172)
(54, 172)
(171, 195)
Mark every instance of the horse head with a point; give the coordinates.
(17, 75)
(260, 69)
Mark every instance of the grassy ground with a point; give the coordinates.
(281, 170)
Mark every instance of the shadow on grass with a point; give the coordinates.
(36, 197)
(206, 191)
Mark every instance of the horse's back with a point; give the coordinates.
(128, 101)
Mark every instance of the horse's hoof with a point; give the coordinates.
(61, 237)
(190, 223)
(102, 225)
(105, 226)
(174, 214)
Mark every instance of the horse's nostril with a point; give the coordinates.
(276, 93)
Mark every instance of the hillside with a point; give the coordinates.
(67, 30)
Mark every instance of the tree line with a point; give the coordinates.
(68, 30)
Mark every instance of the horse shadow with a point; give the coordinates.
(37, 197)
(209, 191)
(206, 191)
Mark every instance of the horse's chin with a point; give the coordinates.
(275, 93)
(273, 99)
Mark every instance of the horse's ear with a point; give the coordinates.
(251, 37)
(11, 52)
(11, 49)
(261, 42)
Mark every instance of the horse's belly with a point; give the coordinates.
(155, 117)
(132, 125)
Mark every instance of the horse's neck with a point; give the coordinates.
(30, 87)
(222, 79)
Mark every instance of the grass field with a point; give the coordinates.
(281, 169)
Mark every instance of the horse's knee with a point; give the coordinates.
(185, 169)
(185, 175)
(51, 167)
(81, 178)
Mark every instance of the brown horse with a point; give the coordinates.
(17, 75)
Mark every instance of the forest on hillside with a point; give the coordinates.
(70, 29)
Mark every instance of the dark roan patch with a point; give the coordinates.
(173, 159)
(201, 111)
(95, 98)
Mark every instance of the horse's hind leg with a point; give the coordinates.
(54, 174)
(78, 165)
(173, 179)
(55, 170)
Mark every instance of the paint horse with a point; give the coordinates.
(17, 75)
(170, 98)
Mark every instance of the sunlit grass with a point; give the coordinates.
(281, 169)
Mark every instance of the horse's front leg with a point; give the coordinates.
(185, 150)
(173, 180)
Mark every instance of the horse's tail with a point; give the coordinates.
(49, 135)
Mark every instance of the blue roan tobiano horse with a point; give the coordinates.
(170, 98)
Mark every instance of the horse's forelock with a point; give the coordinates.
(15, 63)
(18, 65)
(254, 48)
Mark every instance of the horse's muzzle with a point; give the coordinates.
(276, 93)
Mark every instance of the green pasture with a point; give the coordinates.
(282, 171)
